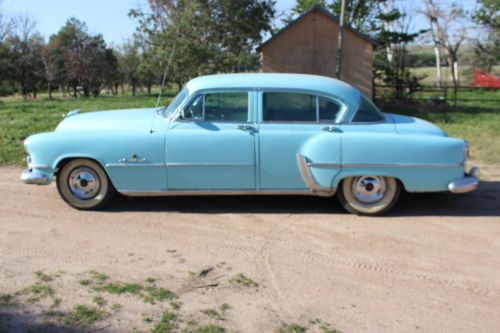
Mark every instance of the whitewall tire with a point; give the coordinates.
(83, 184)
(369, 195)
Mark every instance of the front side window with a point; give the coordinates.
(226, 107)
(367, 112)
(176, 102)
(298, 107)
(219, 107)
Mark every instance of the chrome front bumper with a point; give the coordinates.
(467, 184)
(31, 176)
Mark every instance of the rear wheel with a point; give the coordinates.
(83, 184)
(369, 195)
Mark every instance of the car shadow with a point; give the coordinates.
(485, 201)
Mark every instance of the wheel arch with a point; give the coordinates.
(63, 160)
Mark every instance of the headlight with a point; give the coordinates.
(466, 150)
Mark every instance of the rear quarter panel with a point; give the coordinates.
(422, 162)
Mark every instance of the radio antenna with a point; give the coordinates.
(165, 75)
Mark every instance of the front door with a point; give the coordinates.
(212, 146)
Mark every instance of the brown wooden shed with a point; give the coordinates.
(309, 45)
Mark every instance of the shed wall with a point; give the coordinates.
(310, 45)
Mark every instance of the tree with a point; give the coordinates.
(25, 46)
(130, 61)
(50, 70)
(86, 59)
(205, 36)
(359, 14)
(451, 31)
(488, 49)
(395, 35)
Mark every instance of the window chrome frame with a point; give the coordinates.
(351, 122)
(190, 99)
(317, 94)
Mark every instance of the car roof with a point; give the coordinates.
(306, 82)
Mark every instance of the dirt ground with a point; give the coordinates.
(432, 265)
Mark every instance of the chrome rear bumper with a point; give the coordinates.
(31, 176)
(467, 184)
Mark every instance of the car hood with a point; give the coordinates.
(412, 125)
(130, 119)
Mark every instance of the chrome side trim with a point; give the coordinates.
(146, 193)
(32, 177)
(133, 165)
(324, 165)
(180, 164)
(403, 165)
(308, 178)
(142, 165)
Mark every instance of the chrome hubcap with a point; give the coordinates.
(84, 183)
(369, 189)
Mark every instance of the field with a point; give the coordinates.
(20, 118)
(466, 74)
(478, 120)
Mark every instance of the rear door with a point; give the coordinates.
(292, 123)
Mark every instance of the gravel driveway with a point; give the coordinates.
(261, 263)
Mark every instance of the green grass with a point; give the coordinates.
(167, 323)
(5, 299)
(21, 118)
(120, 288)
(42, 277)
(243, 280)
(84, 316)
(291, 328)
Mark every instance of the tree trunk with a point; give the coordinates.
(49, 84)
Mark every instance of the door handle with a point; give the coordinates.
(246, 127)
(331, 129)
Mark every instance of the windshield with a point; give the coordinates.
(175, 102)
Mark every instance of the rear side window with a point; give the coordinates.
(328, 110)
(298, 107)
(367, 112)
(289, 107)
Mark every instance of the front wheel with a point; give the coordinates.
(369, 195)
(83, 184)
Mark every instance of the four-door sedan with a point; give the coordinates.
(251, 134)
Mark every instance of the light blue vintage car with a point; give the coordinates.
(251, 134)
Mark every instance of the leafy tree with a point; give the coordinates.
(390, 63)
(488, 49)
(25, 46)
(359, 14)
(86, 59)
(130, 61)
(205, 36)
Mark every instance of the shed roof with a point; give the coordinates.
(324, 11)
